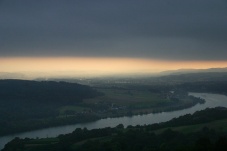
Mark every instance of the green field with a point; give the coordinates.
(219, 126)
(63, 110)
(128, 100)
(125, 97)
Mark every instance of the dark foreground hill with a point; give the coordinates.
(203, 131)
(27, 105)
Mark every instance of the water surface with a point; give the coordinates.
(212, 100)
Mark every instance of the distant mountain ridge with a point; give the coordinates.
(46, 76)
(11, 75)
(188, 75)
(185, 71)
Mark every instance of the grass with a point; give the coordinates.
(103, 139)
(41, 142)
(74, 108)
(219, 126)
(127, 97)
(136, 101)
(132, 99)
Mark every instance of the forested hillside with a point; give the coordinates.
(27, 105)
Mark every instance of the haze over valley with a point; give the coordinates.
(113, 75)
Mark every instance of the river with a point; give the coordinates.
(212, 100)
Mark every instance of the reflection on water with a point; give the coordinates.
(212, 100)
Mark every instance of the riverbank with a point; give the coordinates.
(95, 109)
(187, 129)
(212, 100)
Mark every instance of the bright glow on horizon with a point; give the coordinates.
(74, 66)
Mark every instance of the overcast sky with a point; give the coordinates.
(156, 29)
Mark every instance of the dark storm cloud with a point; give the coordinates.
(161, 29)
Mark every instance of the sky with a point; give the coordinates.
(112, 35)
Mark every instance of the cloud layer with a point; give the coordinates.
(157, 29)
